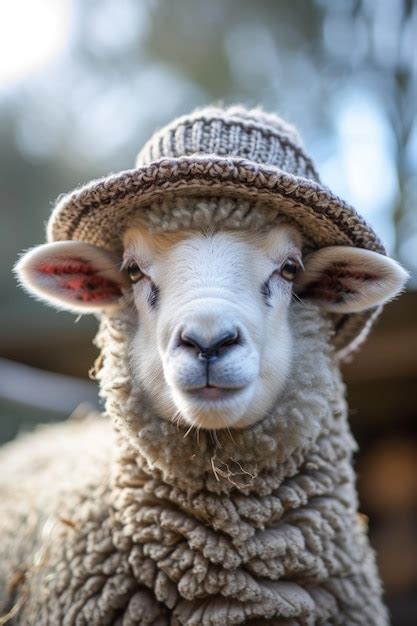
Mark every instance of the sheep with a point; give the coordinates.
(221, 489)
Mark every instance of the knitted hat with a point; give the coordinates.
(251, 169)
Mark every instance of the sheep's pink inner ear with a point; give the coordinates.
(81, 280)
(344, 279)
(72, 275)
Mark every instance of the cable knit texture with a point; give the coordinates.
(148, 523)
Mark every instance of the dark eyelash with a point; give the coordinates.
(266, 292)
(153, 296)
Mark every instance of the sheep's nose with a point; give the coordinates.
(218, 345)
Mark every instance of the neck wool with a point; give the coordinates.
(248, 525)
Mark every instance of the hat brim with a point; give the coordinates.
(101, 211)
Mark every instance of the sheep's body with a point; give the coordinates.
(255, 526)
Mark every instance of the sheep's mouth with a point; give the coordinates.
(212, 393)
(214, 407)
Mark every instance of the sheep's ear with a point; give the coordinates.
(344, 279)
(72, 275)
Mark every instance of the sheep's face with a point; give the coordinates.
(213, 341)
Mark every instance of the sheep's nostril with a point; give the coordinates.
(214, 348)
(189, 341)
(224, 341)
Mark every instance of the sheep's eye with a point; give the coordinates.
(289, 269)
(135, 273)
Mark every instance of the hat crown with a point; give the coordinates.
(237, 132)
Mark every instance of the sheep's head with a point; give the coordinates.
(213, 340)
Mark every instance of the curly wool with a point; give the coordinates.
(164, 526)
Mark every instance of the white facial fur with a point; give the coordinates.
(209, 286)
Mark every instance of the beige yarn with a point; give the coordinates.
(162, 527)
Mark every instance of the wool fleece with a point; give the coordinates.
(128, 519)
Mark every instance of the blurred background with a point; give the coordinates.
(83, 83)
